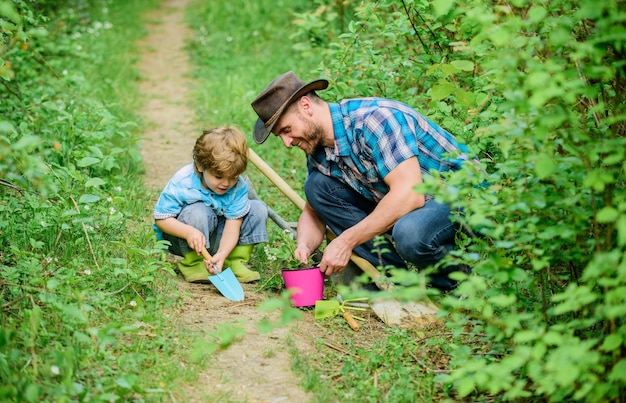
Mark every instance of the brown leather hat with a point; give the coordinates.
(278, 95)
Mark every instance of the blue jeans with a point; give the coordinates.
(422, 237)
(202, 217)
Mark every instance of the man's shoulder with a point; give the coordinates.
(357, 102)
(373, 103)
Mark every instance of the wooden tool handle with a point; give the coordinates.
(353, 324)
(206, 254)
(276, 180)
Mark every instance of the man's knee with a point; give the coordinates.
(414, 243)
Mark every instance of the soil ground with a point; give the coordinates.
(257, 367)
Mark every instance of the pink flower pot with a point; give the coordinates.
(307, 285)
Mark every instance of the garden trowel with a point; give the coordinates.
(327, 309)
(225, 281)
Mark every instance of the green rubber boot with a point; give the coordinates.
(193, 269)
(237, 262)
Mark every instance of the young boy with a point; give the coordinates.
(206, 204)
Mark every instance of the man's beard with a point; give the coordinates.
(312, 137)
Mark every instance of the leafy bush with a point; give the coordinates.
(83, 298)
(536, 90)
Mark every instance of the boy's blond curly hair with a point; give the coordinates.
(222, 151)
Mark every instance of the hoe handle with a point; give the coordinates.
(295, 198)
(276, 180)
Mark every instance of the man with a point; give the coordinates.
(364, 158)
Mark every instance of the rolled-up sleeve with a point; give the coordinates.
(168, 205)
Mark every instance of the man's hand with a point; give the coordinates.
(302, 253)
(336, 257)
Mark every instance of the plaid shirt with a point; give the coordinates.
(373, 136)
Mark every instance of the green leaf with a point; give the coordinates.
(618, 373)
(503, 300)
(82, 337)
(442, 7)
(87, 198)
(27, 143)
(6, 127)
(466, 386)
(537, 13)
(612, 342)
(505, 244)
(52, 284)
(94, 182)
(544, 166)
(500, 36)
(123, 383)
(614, 158)
(8, 10)
(621, 230)
(538, 79)
(524, 336)
(553, 338)
(326, 309)
(448, 69)
(74, 312)
(108, 397)
(597, 179)
(87, 161)
(465, 98)
(97, 152)
(607, 214)
(441, 90)
(32, 393)
(464, 65)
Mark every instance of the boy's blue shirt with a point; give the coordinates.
(186, 188)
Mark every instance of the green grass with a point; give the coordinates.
(86, 300)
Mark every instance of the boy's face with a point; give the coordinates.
(217, 184)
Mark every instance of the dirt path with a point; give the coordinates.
(165, 87)
(256, 368)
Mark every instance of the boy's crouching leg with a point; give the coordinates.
(193, 269)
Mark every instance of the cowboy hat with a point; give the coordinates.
(278, 95)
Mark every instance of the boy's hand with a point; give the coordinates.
(210, 267)
(218, 260)
(195, 239)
